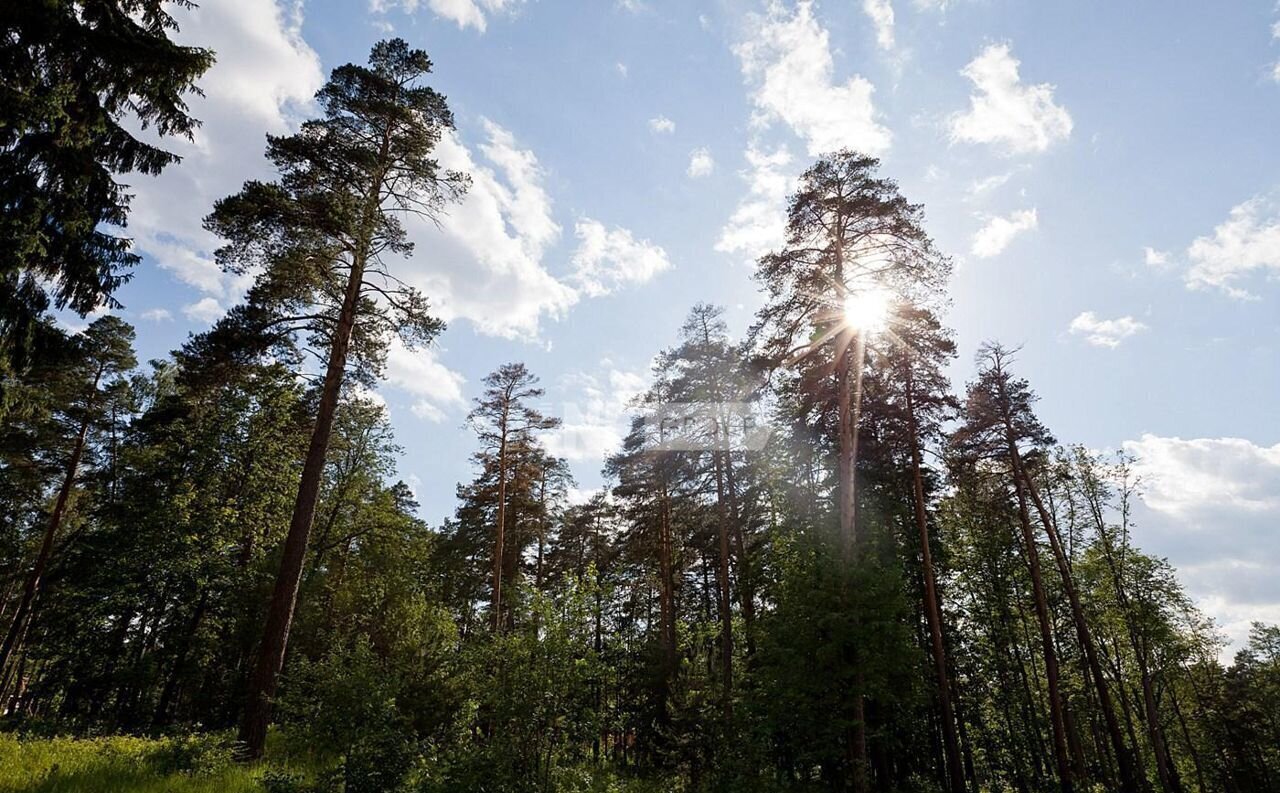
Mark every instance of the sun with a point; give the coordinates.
(867, 310)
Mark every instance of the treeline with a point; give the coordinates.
(815, 567)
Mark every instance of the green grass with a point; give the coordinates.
(123, 764)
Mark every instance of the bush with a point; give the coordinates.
(379, 763)
(196, 755)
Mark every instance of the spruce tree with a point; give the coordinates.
(75, 78)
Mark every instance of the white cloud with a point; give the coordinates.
(622, 69)
(465, 13)
(206, 310)
(484, 262)
(1246, 243)
(595, 421)
(420, 373)
(1004, 112)
(758, 224)
(881, 14)
(607, 259)
(1154, 258)
(1214, 507)
(73, 323)
(265, 74)
(786, 60)
(996, 235)
(359, 391)
(577, 496)
(1105, 332)
(700, 163)
(1275, 34)
(662, 125)
(156, 315)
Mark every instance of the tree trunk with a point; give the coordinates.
(284, 598)
(161, 717)
(932, 607)
(849, 412)
(666, 592)
(1129, 780)
(746, 585)
(31, 588)
(499, 540)
(726, 617)
(1191, 744)
(1060, 755)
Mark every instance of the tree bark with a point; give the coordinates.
(1061, 757)
(932, 607)
(1129, 779)
(726, 617)
(31, 588)
(284, 598)
(849, 412)
(499, 541)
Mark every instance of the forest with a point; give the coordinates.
(817, 564)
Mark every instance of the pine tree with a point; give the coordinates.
(321, 237)
(919, 350)
(103, 352)
(508, 424)
(849, 233)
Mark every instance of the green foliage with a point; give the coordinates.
(187, 764)
(79, 78)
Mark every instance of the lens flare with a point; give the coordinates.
(867, 310)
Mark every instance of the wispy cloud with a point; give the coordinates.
(464, 13)
(206, 310)
(880, 12)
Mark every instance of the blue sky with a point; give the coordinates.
(1106, 176)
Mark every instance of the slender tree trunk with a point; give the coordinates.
(852, 349)
(746, 580)
(1191, 744)
(1165, 769)
(542, 532)
(849, 372)
(499, 541)
(180, 662)
(726, 617)
(1061, 757)
(31, 588)
(275, 635)
(1129, 779)
(666, 603)
(932, 607)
